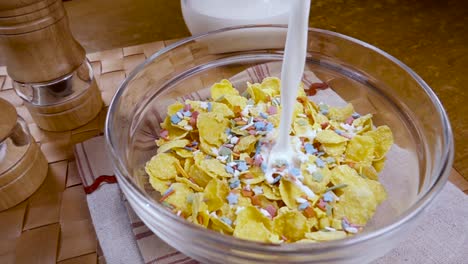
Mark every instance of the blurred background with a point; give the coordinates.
(430, 36)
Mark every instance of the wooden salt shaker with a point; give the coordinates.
(23, 167)
(48, 66)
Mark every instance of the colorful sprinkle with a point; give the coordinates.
(317, 176)
(269, 127)
(166, 194)
(232, 198)
(209, 107)
(175, 119)
(259, 125)
(234, 183)
(242, 166)
(204, 105)
(303, 206)
(164, 134)
(320, 163)
(309, 148)
(277, 179)
(257, 190)
(311, 168)
(226, 220)
(338, 186)
(263, 115)
(339, 132)
(271, 210)
(272, 110)
(356, 115)
(328, 197)
(229, 169)
(322, 205)
(234, 140)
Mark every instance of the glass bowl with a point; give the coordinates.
(416, 170)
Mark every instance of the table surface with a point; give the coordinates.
(54, 224)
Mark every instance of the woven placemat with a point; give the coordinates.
(54, 224)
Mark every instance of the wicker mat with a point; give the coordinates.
(54, 224)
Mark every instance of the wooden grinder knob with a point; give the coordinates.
(8, 120)
(23, 167)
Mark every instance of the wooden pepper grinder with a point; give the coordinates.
(23, 167)
(48, 66)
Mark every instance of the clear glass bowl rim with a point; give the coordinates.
(287, 248)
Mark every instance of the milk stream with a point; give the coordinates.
(291, 75)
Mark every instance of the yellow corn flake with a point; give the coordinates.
(289, 193)
(358, 200)
(325, 236)
(253, 225)
(302, 127)
(340, 114)
(298, 110)
(228, 211)
(334, 149)
(215, 193)
(174, 108)
(179, 197)
(365, 122)
(244, 201)
(290, 224)
(379, 191)
(360, 149)
(272, 85)
(222, 88)
(329, 137)
(162, 166)
(183, 153)
(207, 148)
(246, 144)
(214, 168)
(255, 231)
(319, 118)
(312, 223)
(234, 101)
(179, 143)
(200, 214)
(271, 193)
(254, 175)
(383, 139)
(369, 172)
(318, 180)
(174, 132)
(216, 107)
(218, 225)
(189, 183)
(379, 164)
(197, 175)
(324, 222)
(251, 213)
(188, 163)
(269, 88)
(159, 185)
(212, 127)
